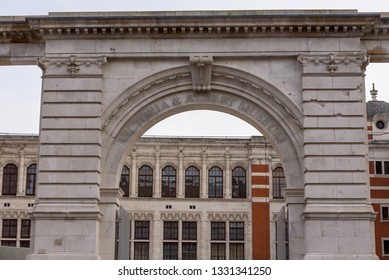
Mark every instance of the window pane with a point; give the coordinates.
(142, 229)
(239, 183)
(170, 230)
(189, 230)
(141, 251)
(236, 251)
(279, 182)
(236, 231)
(25, 244)
(26, 228)
(218, 251)
(168, 182)
(31, 179)
(125, 181)
(10, 179)
(215, 183)
(9, 243)
(189, 251)
(145, 182)
(192, 182)
(386, 167)
(218, 230)
(9, 228)
(378, 167)
(386, 247)
(385, 214)
(170, 251)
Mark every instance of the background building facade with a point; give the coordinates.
(195, 198)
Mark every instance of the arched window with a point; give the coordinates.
(31, 180)
(145, 181)
(279, 182)
(215, 182)
(10, 179)
(238, 183)
(125, 181)
(168, 182)
(192, 182)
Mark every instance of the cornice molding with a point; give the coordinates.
(189, 24)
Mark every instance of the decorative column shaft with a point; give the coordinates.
(157, 179)
(181, 175)
(204, 175)
(134, 175)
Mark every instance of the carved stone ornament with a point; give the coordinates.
(201, 70)
(332, 60)
(73, 63)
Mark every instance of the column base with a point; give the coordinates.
(340, 257)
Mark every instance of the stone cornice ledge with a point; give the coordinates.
(344, 23)
(338, 212)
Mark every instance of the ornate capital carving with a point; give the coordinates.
(333, 61)
(73, 63)
(201, 70)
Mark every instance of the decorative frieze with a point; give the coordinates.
(333, 61)
(141, 216)
(226, 216)
(73, 63)
(180, 216)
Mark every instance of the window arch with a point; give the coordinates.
(279, 182)
(10, 179)
(145, 181)
(192, 182)
(125, 181)
(31, 179)
(215, 182)
(168, 182)
(238, 183)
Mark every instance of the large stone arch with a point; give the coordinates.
(235, 92)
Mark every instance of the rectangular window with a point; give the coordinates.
(142, 230)
(170, 251)
(218, 231)
(25, 244)
(170, 230)
(9, 228)
(385, 213)
(189, 251)
(9, 243)
(385, 245)
(141, 250)
(236, 251)
(25, 229)
(218, 251)
(378, 167)
(236, 231)
(386, 167)
(189, 230)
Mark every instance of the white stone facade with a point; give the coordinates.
(296, 76)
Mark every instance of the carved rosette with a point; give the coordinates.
(332, 61)
(73, 63)
(201, 70)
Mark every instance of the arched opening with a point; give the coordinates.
(238, 94)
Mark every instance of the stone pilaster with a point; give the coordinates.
(228, 181)
(338, 216)
(67, 213)
(181, 175)
(134, 175)
(21, 170)
(204, 175)
(157, 180)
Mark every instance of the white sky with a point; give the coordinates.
(20, 86)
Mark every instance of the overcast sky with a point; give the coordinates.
(20, 86)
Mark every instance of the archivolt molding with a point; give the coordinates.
(186, 77)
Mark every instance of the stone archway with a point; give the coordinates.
(231, 91)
